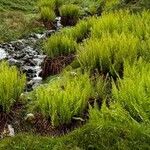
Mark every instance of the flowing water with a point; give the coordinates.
(26, 55)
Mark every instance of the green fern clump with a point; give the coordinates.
(53, 5)
(47, 10)
(70, 10)
(144, 50)
(63, 98)
(79, 32)
(114, 115)
(132, 92)
(70, 14)
(58, 45)
(101, 87)
(115, 129)
(12, 84)
(123, 21)
(107, 54)
(109, 22)
(47, 14)
(82, 29)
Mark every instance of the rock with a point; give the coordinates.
(49, 33)
(3, 54)
(19, 56)
(30, 71)
(8, 132)
(13, 61)
(11, 131)
(29, 85)
(18, 45)
(37, 79)
(29, 117)
(39, 36)
(73, 73)
(78, 118)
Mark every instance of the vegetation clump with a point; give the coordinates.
(12, 84)
(70, 14)
(58, 45)
(55, 100)
(48, 16)
(79, 32)
(132, 92)
(108, 53)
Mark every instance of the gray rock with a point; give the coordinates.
(3, 54)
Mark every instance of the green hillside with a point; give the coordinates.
(95, 92)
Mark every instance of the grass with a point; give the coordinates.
(46, 3)
(15, 25)
(18, 18)
(19, 5)
(12, 84)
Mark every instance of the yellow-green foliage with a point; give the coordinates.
(115, 37)
(133, 91)
(47, 14)
(63, 98)
(12, 84)
(116, 129)
(101, 86)
(70, 10)
(107, 53)
(115, 115)
(47, 9)
(80, 31)
(58, 45)
(123, 21)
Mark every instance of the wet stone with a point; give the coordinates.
(3, 54)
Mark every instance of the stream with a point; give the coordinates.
(26, 55)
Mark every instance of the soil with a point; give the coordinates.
(14, 117)
(68, 21)
(53, 66)
(38, 125)
(49, 25)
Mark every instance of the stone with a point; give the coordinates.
(29, 117)
(37, 79)
(11, 131)
(3, 54)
